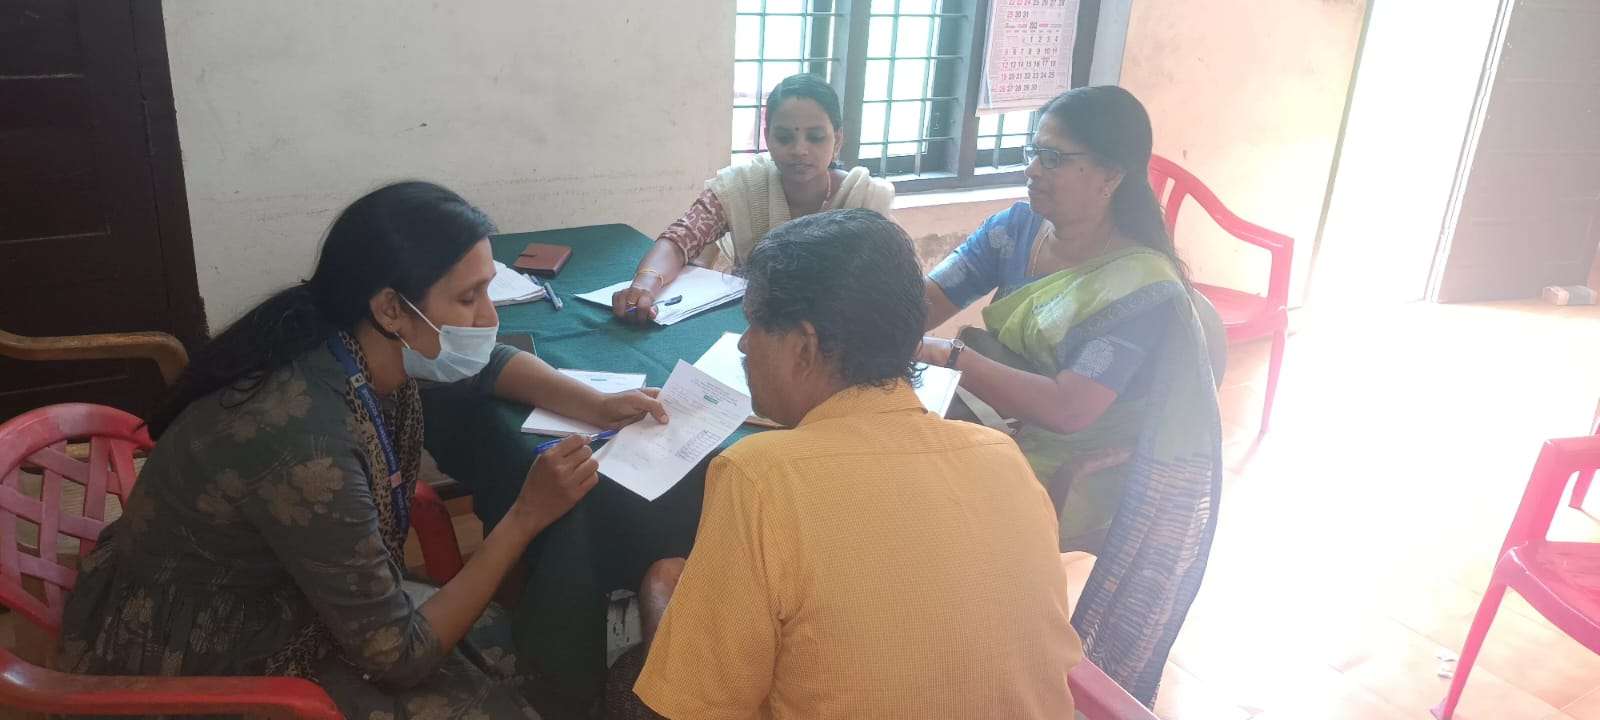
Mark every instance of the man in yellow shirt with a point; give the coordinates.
(876, 561)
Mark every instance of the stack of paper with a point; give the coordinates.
(698, 289)
(725, 363)
(648, 457)
(937, 387)
(510, 287)
(544, 422)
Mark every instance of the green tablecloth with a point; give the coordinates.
(608, 540)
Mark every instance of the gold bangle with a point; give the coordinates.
(644, 272)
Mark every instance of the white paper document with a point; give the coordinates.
(649, 458)
(701, 289)
(725, 363)
(510, 287)
(544, 422)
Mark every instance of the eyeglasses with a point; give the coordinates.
(1049, 158)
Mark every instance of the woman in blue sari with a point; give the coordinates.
(1093, 349)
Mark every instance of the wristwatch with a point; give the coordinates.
(956, 346)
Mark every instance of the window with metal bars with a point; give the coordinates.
(908, 73)
(774, 39)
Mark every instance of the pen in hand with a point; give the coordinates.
(674, 300)
(597, 437)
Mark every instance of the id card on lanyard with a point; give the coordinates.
(369, 400)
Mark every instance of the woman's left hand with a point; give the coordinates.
(934, 351)
(626, 408)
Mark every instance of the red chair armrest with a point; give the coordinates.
(1252, 233)
(34, 689)
(1279, 245)
(1099, 697)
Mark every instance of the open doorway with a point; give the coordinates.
(1411, 105)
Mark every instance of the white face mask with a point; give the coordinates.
(463, 352)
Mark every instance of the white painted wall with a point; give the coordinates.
(545, 113)
(1248, 95)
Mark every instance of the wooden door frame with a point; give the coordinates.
(185, 310)
(1469, 149)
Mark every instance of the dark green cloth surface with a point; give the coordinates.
(584, 335)
(610, 538)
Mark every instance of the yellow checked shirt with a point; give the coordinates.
(875, 562)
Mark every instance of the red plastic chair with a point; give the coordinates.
(1559, 579)
(441, 551)
(1580, 489)
(1098, 697)
(37, 440)
(30, 688)
(1246, 316)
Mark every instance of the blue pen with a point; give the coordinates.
(597, 437)
(674, 300)
(550, 292)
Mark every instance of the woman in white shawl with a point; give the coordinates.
(804, 131)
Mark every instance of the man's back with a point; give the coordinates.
(876, 561)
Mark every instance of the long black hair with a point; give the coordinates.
(808, 86)
(1113, 125)
(404, 236)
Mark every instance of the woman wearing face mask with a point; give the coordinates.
(804, 131)
(266, 533)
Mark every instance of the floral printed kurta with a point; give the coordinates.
(254, 543)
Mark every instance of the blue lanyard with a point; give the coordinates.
(369, 399)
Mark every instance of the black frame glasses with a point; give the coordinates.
(1049, 158)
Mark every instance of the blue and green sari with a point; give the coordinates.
(1159, 508)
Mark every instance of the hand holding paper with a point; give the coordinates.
(544, 422)
(649, 458)
(694, 291)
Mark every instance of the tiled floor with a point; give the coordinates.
(1355, 538)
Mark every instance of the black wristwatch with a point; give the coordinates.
(956, 346)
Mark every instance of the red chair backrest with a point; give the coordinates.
(1171, 185)
(34, 445)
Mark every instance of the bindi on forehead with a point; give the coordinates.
(802, 128)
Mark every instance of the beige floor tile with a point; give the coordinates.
(1585, 708)
(1564, 672)
(1078, 566)
(1327, 694)
(1183, 697)
(1402, 668)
